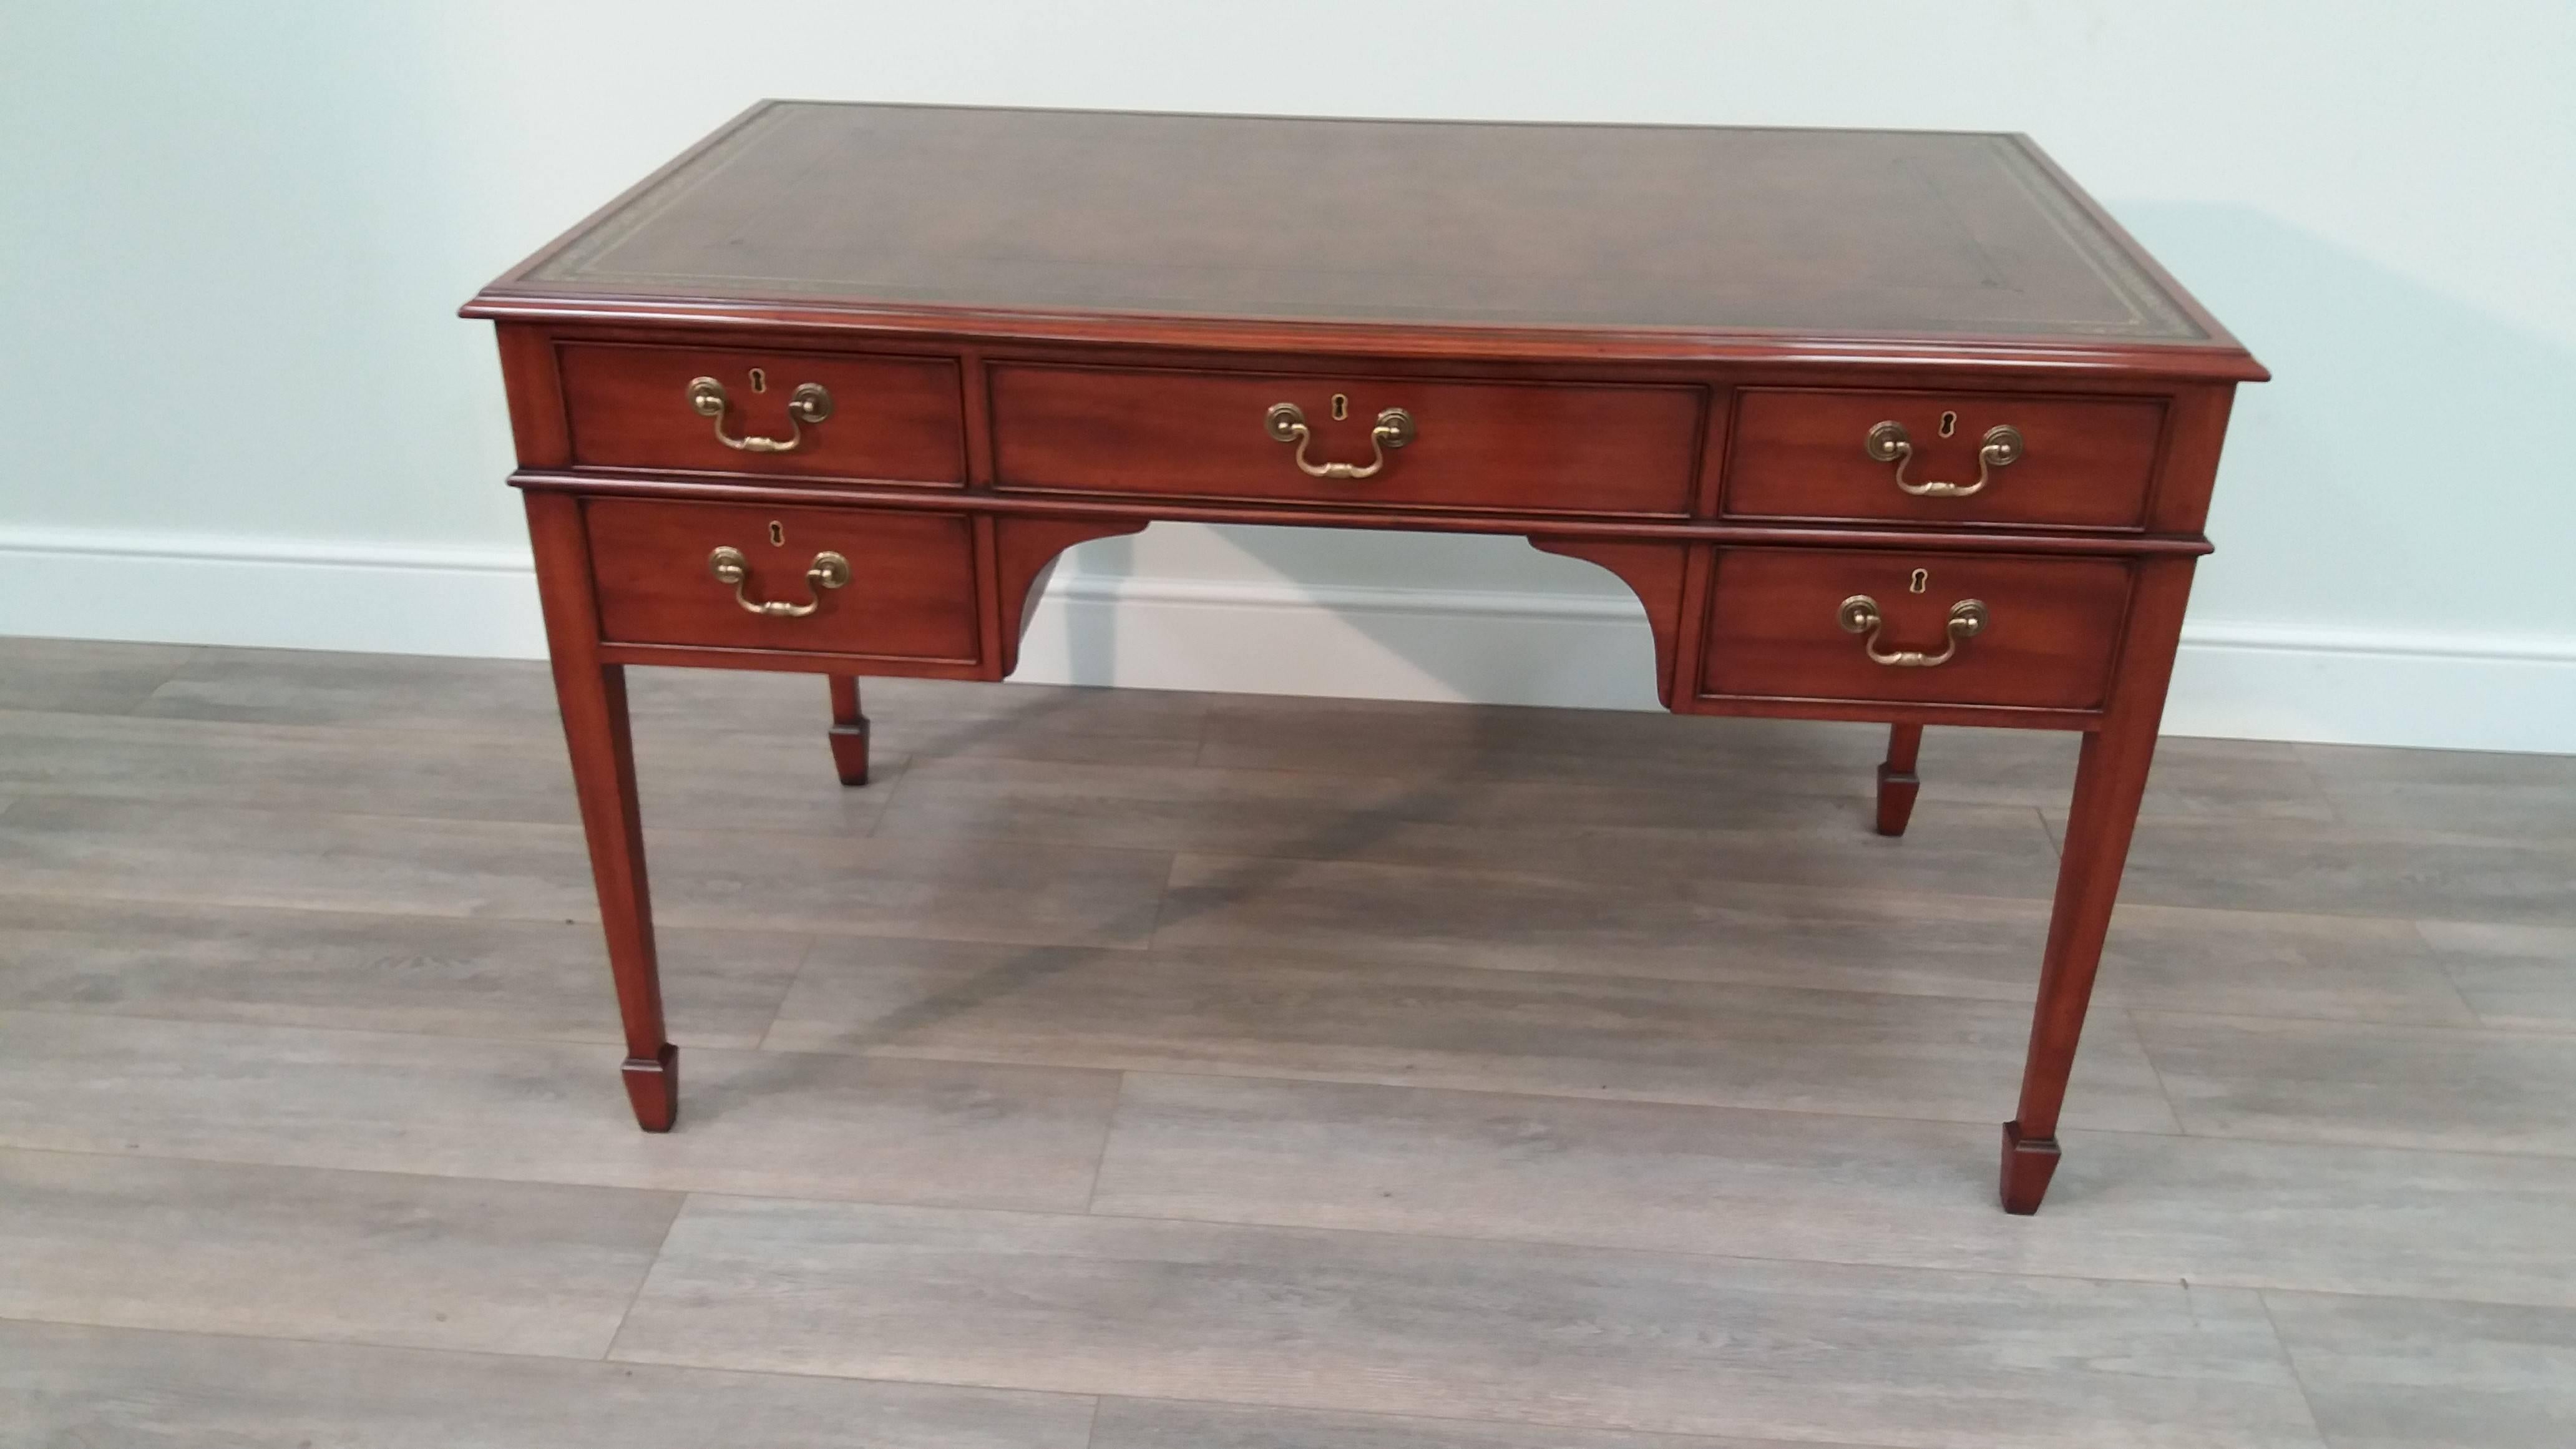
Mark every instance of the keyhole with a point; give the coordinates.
(760, 383)
(1341, 406)
(1922, 579)
(1949, 423)
(778, 538)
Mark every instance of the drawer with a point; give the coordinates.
(1778, 628)
(1574, 448)
(1807, 453)
(910, 592)
(889, 419)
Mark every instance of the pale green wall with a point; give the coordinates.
(232, 237)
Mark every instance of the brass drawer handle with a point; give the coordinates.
(828, 571)
(809, 403)
(1287, 423)
(1860, 615)
(1889, 444)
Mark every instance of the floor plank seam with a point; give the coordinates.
(1681, 1436)
(1207, 1074)
(2507, 1033)
(569, 831)
(885, 802)
(2138, 1035)
(408, 1173)
(2038, 894)
(1706, 1255)
(666, 918)
(1501, 1243)
(2290, 1361)
(1001, 1059)
(241, 1335)
(1496, 1241)
(2109, 994)
(1108, 1135)
(606, 1042)
(1162, 900)
(660, 1246)
(606, 1045)
(391, 1346)
(795, 977)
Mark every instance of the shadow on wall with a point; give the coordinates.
(2398, 474)
(2386, 490)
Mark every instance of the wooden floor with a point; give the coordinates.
(1158, 1071)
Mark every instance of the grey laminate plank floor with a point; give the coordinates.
(1154, 1071)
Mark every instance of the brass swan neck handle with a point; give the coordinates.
(828, 571)
(1860, 615)
(1286, 423)
(1888, 443)
(809, 403)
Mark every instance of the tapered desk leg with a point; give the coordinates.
(592, 698)
(2110, 779)
(1897, 782)
(849, 731)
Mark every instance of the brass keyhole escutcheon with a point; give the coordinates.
(778, 538)
(760, 383)
(1922, 579)
(1341, 406)
(1949, 424)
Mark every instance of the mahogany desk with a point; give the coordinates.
(1878, 425)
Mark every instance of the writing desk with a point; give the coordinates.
(1884, 426)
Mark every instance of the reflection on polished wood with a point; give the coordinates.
(1790, 386)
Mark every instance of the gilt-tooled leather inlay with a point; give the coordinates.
(1699, 229)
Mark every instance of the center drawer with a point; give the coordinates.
(906, 585)
(1524, 447)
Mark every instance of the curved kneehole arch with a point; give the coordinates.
(1654, 572)
(1024, 553)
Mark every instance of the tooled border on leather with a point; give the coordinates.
(2151, 312)
(574, 260)
(2147, 302)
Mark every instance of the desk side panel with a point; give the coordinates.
(538, 428)
(2187, 472)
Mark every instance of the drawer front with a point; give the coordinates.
(1777, 627)
(2079, 463)
(910, 592)
(889, 419)
(1514, 446)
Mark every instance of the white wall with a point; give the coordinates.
(238, 408)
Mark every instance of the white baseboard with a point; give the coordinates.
(2234, 680)
(1266, 638)
(2419, 690)
(476, 602)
